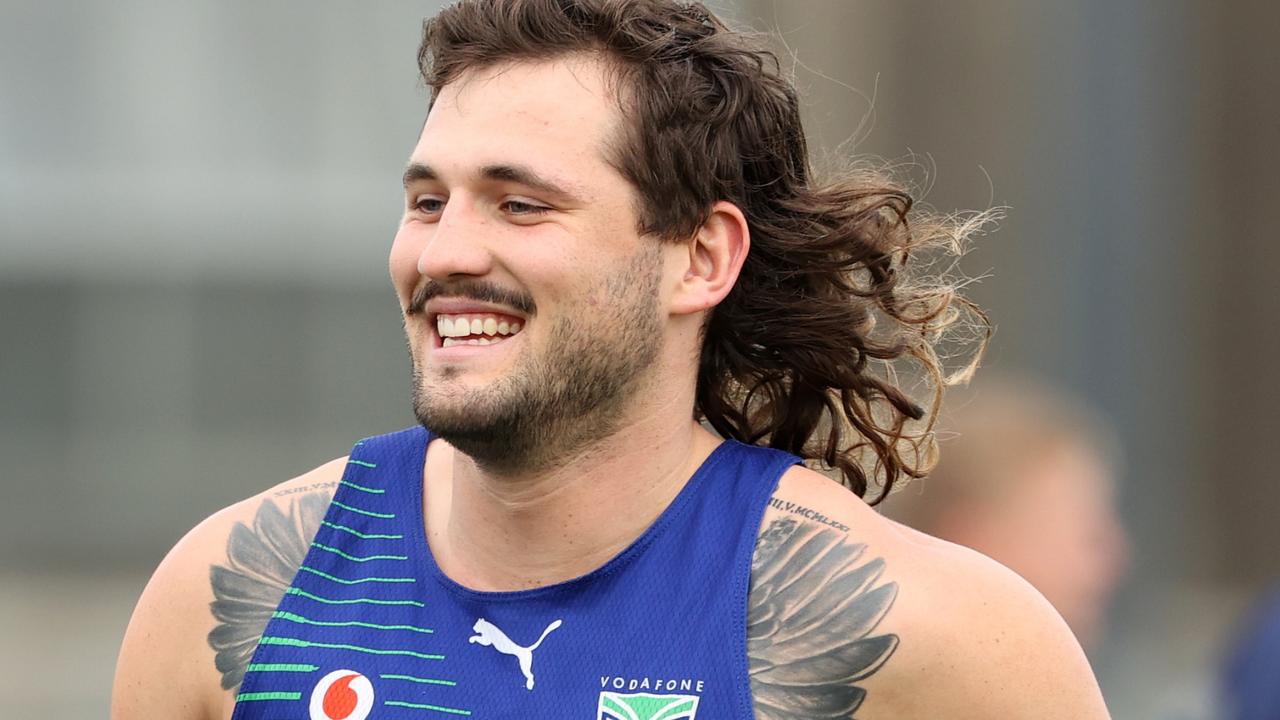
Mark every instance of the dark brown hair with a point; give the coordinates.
(801, 354)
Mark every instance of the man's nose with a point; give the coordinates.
(458, 245)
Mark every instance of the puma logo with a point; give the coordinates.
(486, 633)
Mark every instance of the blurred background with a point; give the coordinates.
(197, 199)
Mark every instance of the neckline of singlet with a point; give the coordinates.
(426, 560)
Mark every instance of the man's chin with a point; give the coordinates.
(455, 416)
(497, 447)
(459, 380)
(448, 409)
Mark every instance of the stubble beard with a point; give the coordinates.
(554, 405)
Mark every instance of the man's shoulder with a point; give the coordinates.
(853, 611)
(213, 539)
(201, 614)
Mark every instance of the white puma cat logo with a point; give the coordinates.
(489, 634)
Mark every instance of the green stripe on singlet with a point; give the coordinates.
(420, 706)
(247, 697)
(355, 558)
(351, 601)
(370, 513)
(357, 533)
(410, 678)
(283, 615)
(362, 463)
(361, 488)
(356, 581)
(295, 642)
(281, 667)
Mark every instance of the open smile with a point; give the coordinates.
(475, 329)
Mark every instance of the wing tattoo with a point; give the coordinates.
(261, 562)
(811, 612)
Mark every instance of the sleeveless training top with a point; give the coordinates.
(371, 628)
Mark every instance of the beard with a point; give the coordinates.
(555, 403)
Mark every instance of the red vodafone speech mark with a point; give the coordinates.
(340, 700)
(342, 695)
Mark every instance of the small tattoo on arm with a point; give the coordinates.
(329, 485)
(813, 607)
(807, 513)
(261, 562)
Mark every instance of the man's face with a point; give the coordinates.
(531, 302)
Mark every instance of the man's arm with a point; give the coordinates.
(815, 607)
(852, 615)
(200, 617)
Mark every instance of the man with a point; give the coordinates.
(610, 233)
(1025, 479)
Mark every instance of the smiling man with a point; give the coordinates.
(633, 315)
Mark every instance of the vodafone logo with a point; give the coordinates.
(342, 695)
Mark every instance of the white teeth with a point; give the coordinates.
(450, 342)
(459, 326)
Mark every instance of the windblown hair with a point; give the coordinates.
(802, 354)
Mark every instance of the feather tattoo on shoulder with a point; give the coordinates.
(814, 605)
(261, 562)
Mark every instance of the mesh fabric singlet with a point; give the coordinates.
(371, 628)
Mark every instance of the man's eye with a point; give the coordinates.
(429, 205)
(519, 207)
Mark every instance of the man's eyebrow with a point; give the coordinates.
(522, 175)
(519, 174)
(418, 171)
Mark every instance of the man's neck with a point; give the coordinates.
(519, 531)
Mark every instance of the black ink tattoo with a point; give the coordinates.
(807, 513)
(261, 562)
(307, 488)
(810, 616)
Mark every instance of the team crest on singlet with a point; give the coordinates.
(646, 706)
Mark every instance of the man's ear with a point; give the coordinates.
(715, 256)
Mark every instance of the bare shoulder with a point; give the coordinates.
(852, 614)
(204, 609)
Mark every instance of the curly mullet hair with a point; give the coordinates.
(802, 354)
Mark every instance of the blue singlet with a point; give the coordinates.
(371, 628)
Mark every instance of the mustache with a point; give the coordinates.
(477, 290)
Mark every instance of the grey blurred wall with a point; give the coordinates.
(196, 200)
